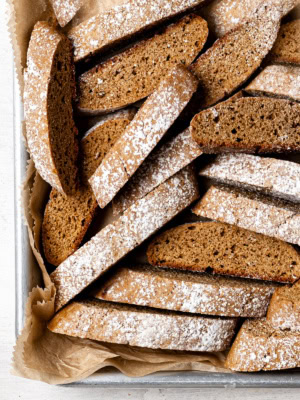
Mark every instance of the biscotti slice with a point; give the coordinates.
(48, 94)
(258, 346)
(277, 219)
(277, 81)
(270, 176)
(149, 125)
(119, 23)
(137, 326)
(67, 218)
(117, 239)
(187, 292)
(226, 250)
(284, 309)
(135, 73)
(286, 49)
(249, 124)
(162, 163)
(65, 10)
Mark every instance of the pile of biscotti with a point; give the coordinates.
(159, 84)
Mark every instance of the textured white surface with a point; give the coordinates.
(12, 388)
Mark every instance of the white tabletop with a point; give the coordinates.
(17, 388)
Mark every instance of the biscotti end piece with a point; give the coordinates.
(284, 309)
(135, 73)
(187, 292)
(149, 125)
(277, 81)
(49, 89)
(119, 23)
(117, 239)
(115, 323)
(249, 124)
(277, 219)
(286, 49)
(258, 346)
(270, 176)
(65, 10)
(226, 250)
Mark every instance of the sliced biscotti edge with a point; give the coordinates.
(258, 346)
(114, 323)
(286, 48)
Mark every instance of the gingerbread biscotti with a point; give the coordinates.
(115, 323)
(162, 163)
(49, 90)
(286, 49)
(249, 124)
(65, 10)
(67, 218)
(149, 125)
(117, 239)
(278, 219)
(135, 73)
(119, 23)
(258, 346)
(226, 250)
(186, 292)
(281, 81)
(270, 176)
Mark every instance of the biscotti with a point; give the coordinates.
(149, 125)
(187, 292)
(286, 49)
(284, 309)
(258, 346)
(135, 73)
(49, 89)
(65, 10)
(67, 218)
(277, 219)
(162, 163)
(277, 81)
(117, 239)
(249, 124)
(270, 176)
(135, 326)
(119, 23)
(226, 250)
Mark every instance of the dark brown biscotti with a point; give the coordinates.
(249, 124)
(258, 346)
(48, 92)
(65, 10)
(135, 73)
(150, 124)
(117, 239)
(187, 292)
(286, 49)
(137, 326)
(225, 249)
(67, 218)
(119, 23)
(284, 309)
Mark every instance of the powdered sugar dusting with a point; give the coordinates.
(65, 10)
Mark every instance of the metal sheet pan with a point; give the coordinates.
(27, 277)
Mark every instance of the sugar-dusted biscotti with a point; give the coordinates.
(65, 10)
(277, 81)
(278, 219)
(119, 23)
(186, 292)
(226, 250)
(67, 218)
(286, 49)
(135, 73)
(284, 309)
(162, 163)
(249, 124)
(49, 90)
(149, 125)
(117, 239)
(258, 346)
(270, 176)
(138, 326)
